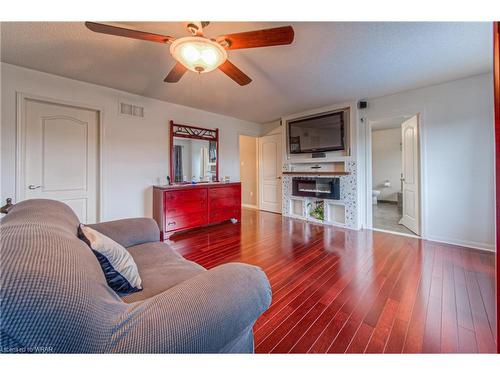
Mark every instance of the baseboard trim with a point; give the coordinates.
(251, 206)
(397, 233)
(472, 245)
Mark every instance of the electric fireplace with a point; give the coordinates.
(317, 187)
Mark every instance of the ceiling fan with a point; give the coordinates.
(201, 54)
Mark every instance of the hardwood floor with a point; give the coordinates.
(342, 291)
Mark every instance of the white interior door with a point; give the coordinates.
(61, 156)
(411, 175)
(270, 173)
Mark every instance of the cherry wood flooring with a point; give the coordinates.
(342, 291)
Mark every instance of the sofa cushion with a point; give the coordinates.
(49, 214)
(160, 268)
(129, 232)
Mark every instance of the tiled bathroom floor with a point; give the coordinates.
(386, 216)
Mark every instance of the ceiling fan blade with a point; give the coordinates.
(128, 33)
(176, 73)
(235, 74)
(258, 38)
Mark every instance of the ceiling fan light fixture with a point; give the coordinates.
(198, 54)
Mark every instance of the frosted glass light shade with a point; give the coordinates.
(198, 54)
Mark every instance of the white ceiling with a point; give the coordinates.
(328, 62)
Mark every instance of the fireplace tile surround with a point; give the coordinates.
(348, 197)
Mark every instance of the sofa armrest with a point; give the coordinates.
(200, 315)
(129, 232)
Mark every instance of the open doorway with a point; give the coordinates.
(249, 171)
(395, 177)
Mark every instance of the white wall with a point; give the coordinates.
(135, 151)
(273, 127)
(249, 170)
(457, 156)
(386, 162)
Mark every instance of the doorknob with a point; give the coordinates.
(33, 187)
(279, 177)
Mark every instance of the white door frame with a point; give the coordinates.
(248, 134)
(259, 167)
(21, 98)
(368, 222)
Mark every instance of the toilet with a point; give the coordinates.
(375, 195)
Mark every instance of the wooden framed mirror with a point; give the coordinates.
(194, 154)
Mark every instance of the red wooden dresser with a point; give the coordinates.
(182, 207)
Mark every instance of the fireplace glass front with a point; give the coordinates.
(318, 187)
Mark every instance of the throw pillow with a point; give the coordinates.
(116, 262)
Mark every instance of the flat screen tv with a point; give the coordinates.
(317, 134)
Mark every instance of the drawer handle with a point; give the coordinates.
(171, 223)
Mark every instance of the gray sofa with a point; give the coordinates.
(54, 297)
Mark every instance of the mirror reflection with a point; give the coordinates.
(195, 160)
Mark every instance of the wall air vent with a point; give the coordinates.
(131, 110)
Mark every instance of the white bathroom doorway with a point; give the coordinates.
(394, 180)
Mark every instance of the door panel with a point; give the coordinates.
(269, 152)
(411, 176)
(270, 173)
(409, 155)
(61, 156)
(409, 197)
(269, 193)
(79, 206)
(64, 154)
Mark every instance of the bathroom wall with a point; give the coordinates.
(386, 162)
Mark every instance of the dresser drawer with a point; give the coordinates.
(227, 197)
(225, 203)
(224, 214)
(182, 197)
(185, 208)
(225, 192)
(186, 221)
